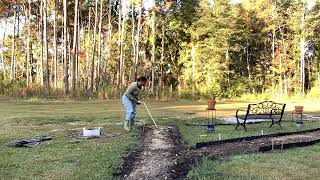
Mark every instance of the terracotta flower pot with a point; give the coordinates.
(211, 104)
(298, 109)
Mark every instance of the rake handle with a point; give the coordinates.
(154, 122)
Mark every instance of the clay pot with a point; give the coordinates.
(211, 104)
(298, 109)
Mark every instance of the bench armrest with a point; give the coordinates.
(240, 110)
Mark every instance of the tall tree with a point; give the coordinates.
(42, 43)
(66, 68)
(86, 69)
(2, 52)
(153, 51)
(12, 72)
(46, 48)
(94, 45)
(28, 72)
(75, 39)
(99, 48)
(119, 72)
(132, 69)
(55, 44)
(138, 40)
(109, 49)
(122, 37)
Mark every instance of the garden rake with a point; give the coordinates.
(154, 122)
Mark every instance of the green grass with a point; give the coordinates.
(97, 158)
(301, 163)
(58, 158)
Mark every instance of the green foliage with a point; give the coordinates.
(314, 93)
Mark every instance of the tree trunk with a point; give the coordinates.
(302, 53)
(28, 43)
(193, 52)
(66, 68)
(46, 49)
(12, 72)
(69, 40)
(273, 50)
(248, 64)
(99, 46)
(153, 23)
(75, 35)
(161, 83)
(94, 46)
(62, 77)
(119, 73)
(2, 53)
(285, 89)
(86, 72)
(55, 45)
(132, 69)
(109, 33)
(280, 77)
(121, 48)
(138, 40)
(78, 83)
(41, 31)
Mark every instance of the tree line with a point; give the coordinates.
(219, 48)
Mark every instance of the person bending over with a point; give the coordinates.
(130, 101)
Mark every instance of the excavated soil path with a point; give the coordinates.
(156, 157)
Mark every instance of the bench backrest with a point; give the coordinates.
(266, 108)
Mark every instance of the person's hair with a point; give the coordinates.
(142, 78)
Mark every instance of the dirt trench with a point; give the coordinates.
(160, 154)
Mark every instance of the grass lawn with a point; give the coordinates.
(301, 163)
(58, 158)
(100, 158)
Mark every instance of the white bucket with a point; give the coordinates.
(91, 132)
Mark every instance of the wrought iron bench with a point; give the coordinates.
(263, 110)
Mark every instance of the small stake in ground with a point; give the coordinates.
(219, 137)
(150, 114)
(272, 144)
(262, 132)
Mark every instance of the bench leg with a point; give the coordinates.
(244, 126)
(273, 122)
(241, 124)
(280, 124)
(238, 123)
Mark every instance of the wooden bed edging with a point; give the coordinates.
(288, 145)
